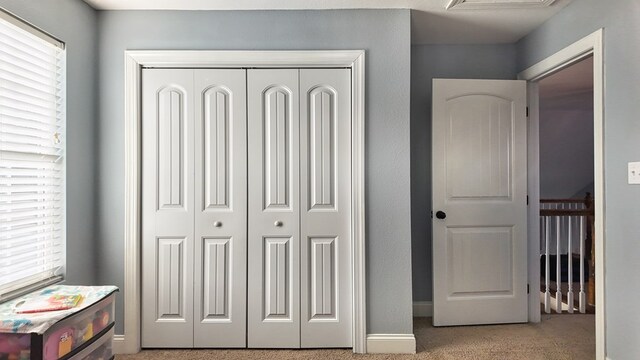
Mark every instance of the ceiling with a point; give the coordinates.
(467, 22)
(573, 81)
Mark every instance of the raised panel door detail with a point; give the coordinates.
(479, 147)
(277, 278)
(217, 135)
(172, 107)
(216, 267)
(322, 148)
(277, 147)
(323, 280)
(170, 274)
(479, 261)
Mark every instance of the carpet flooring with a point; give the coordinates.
(557, 337)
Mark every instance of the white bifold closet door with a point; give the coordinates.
(194, 208)
(299, 158)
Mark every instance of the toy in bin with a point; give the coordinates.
(59, 344)
(15, 347)
(100, 321)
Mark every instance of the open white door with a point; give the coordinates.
(479, 202)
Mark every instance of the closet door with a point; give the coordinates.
(325, 215)
(167, 208)
(274, 224)
(221, 208)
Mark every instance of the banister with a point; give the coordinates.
(566, 212)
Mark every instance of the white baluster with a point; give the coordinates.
(570, 266)
(558, 267)
(582, 295)
(547, 267)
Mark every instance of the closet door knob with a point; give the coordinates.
(278, 223)
(217, 224)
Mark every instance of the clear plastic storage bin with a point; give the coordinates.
(83, 333)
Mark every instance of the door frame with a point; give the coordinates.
(134, 62)
(591, 45)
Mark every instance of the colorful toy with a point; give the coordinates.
(13, 345)
(58, 344)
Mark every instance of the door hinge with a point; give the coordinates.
(527, 199)
(432, 214)
(527, 288)
(527, 111)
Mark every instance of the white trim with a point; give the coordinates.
(118, 345)
(136, 60)
(422, 308)
(590, 45)
(391, 344)
(533, 192)
(133, 205)
(498, 4)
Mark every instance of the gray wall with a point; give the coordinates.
(621, 22)
(75, 23)
(566, 145)
(384, 34)
(429, 62)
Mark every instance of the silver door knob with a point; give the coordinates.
(217, 224)
(278, 223)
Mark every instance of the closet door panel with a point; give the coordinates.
(325, 188)
(274, 227)
(167, 208)
(221, 208)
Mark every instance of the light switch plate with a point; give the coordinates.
(634, 173)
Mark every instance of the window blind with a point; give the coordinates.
(32, 164)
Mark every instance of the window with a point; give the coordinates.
(32, 163)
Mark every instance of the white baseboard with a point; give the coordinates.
(391, 344)
(118, 344)
(422, 309)
(376, 344)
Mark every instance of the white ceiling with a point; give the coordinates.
(575, 80)
(503, 22)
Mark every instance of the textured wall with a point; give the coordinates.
(75, 23)
(429, 62)
(384, 34)
(621, 23)
(566, 146)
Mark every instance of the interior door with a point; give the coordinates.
(479, 202)
(220, 275)
(325, 214)
(167, 208)
(273, 209)
(194, 208)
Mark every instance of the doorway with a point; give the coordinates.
(567, 189)
(590, 46)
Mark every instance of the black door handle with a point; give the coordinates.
(441, 215)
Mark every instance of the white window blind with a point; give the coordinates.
(32, 165)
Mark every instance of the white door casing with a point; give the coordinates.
(480, 183)
(274, 209)
(135, 62)
(220, 276)
(325, 188)
(168, 209)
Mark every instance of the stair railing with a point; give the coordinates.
(567, 227)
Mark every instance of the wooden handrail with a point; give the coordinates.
(587, 201)
(563, 201)
(566, 212)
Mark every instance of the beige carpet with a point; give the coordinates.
(556, 337)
